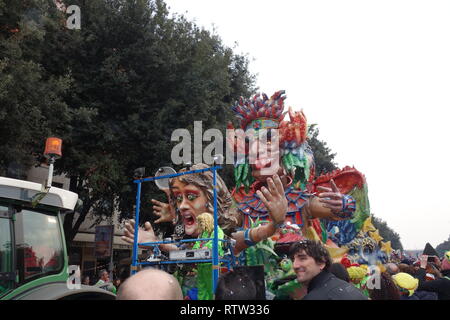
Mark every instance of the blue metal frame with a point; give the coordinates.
(215, 254)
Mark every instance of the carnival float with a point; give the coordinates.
(277, 200)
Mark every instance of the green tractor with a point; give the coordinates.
(33, 253)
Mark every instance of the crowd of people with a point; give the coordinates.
(104, 281)
(428, 278)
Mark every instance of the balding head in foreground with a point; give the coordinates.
(150, 284)
(392, 268)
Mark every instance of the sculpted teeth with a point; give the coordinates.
(187, 214)
(187, 217)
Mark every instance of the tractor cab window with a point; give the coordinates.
(38, 245)
(6, 268)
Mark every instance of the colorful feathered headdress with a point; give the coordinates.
(260, 112)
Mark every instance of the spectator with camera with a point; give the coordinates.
(441, 286)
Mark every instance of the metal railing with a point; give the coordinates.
(215, 240)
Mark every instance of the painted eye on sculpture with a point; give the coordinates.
(191, 197)
(179, 198)
(367, 250)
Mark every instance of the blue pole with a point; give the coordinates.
(136, 230)
(216, 237)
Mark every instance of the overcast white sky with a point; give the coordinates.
(375, 77)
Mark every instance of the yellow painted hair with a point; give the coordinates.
(406, 281)
(357, 273)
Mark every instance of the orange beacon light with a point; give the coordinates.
(53, 148)
(52, 152)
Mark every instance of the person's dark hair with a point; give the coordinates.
(314, 249)
(339, 271)
(406, 261)
(407, 269)
(235, 285)
(388, 290)
(117, 282)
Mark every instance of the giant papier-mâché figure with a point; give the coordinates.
(289, 155)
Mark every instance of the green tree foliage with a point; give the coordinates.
(443, 247)
(114, 91)
(387, 233)
(323, 157)
(32, 104)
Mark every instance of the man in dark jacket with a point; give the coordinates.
(311, 262)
